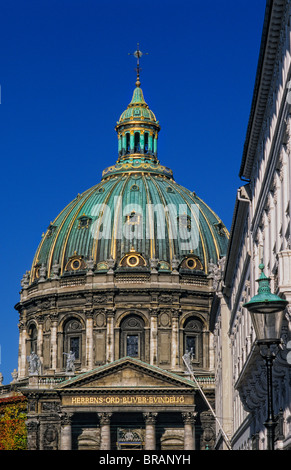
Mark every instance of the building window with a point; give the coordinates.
(190, 344)
(136, 142)
(193, 340)
(84, 222)
(146, 143)
(73, 339)
(75, 346)
(127, 145)
(75, 263)
(132, 345)
(32, 339)
(132, 337)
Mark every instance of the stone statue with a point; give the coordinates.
(216, 272)
(187, 358)
(42, 273)
(34, 364)
(14, 375)
(55, 270)
(70, 366)
(25, 280)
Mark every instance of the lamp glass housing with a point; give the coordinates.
(267, 311)
(267, 325)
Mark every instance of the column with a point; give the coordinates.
(131, 141)
(206, 349)
(189, 430)
(22, 352)
(66, 431)
(110, 337)
(150, 431)
(54, 345)
(154, 335)
(104, 419)
(119, 144)
(141, 141)
(40, 341)
(175, 339)
(155, 144)
(89, 340)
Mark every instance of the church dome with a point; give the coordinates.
(136, 218)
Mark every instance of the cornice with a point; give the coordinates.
(264, 76)
(241, 211)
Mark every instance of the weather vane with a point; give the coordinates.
(137, 54)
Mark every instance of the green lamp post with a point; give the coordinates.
(267, 313)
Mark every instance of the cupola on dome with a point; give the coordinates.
(137, 109)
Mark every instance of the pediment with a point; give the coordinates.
(127, 373)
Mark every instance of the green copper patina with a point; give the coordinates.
(267, 312)
(114, 217)
(264, 299)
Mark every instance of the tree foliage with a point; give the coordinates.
(12, 423)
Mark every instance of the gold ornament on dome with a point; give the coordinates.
(132, 259)
(75, 263)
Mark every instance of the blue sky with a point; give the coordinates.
(66, 76)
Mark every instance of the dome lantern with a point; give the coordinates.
(137, 128)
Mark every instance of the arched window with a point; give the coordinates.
(193, 340)
(73, 339)
(136, 142)
(32, 339)
(127, 143)
(146, 143)
(132, 337)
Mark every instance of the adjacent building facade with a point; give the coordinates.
(260, 233)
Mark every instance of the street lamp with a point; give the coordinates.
(267, 313)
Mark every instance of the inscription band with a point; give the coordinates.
(128, 400)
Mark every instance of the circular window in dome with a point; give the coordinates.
(133, 261)
(76, 264)
(191, 263)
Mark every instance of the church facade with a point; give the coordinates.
(119, 290)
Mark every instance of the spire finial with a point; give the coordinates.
(137, 54)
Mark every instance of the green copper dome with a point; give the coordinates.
(137, 217)
(137, 109)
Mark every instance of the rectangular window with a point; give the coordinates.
(132, 345)
(75, 346)
(191, 344)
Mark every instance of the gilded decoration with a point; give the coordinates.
(132, 260)
(75, 263)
